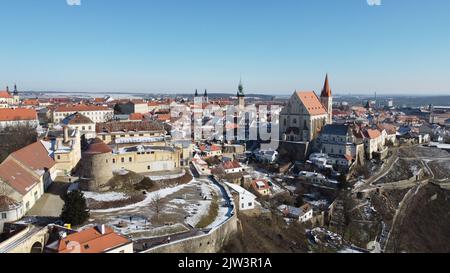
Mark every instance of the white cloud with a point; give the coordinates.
(73, 2)
(374, 2)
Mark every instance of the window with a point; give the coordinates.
(122, 159)
(27, 205)
(243, 205)
(250, 204)
(294, 121)
(58, 157)
(4, 215)
(83, 128)
(114, 161)
(148, 167)
(130, 159)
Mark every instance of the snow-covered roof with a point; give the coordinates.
(240, 189)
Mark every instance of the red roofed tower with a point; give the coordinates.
(326, 99)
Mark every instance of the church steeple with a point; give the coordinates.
(7, 89)
(326, 98)
(240, 89)
(206, 93)
(326, 91)
(15, 90)
(196, 93)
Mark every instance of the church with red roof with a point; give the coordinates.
(305, 114)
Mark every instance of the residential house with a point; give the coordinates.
(83, 124)
(261, 186)
(99, 239)
(10, 210)
(244, 199)
(302, 214)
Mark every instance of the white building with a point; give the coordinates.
(81, 123)
(10, 211)
(93, 112)
(18, 116)
(246, 198)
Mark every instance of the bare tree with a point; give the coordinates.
(156, 204)
(15, 137)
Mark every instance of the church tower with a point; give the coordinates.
(241, 95)
(16, 95)
(205, 97)
(326, 99)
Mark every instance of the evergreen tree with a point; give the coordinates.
(75, 211)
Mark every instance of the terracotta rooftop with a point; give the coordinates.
(5, 95)
(136, 116)
(117, 126)
(81, 108)
(231, 164)
(311, 103)
(34, 156)
(77, 118)
(372, 134)
(98, 147)
(17, 177)
(17, 114)
(91, 240)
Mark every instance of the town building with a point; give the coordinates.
(18, 116)
(79, 122)
(339, 143)
(302, 214)
(130, 133)
(244, 199)
(99, 239)
(261, 186)
(10, 210)
(94, 112)
(7, 99)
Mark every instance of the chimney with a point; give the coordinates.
(101, 228)
(66, 134)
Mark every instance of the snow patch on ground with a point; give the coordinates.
(105, 197)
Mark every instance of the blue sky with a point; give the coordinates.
(402, 46)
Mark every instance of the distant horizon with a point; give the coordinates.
(341, 94)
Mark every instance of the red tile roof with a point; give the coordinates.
(5, 95)
(136, 116)
(260, 181)
(81, 108)
(77, 118)
(311, 103)
(91, 240)
(34, 156)
(17, 114)
(17, 177)
(231, 164)
(372, 134)
(98, 147)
